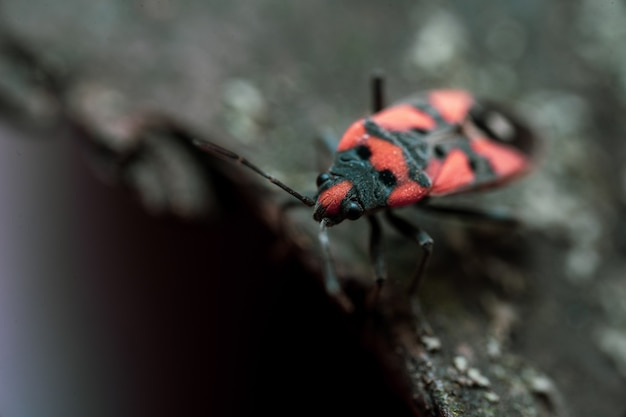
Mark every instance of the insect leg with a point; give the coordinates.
(331, 282)
(227, 154)
(469, 214)
(378, 92)
(333, 288)
(325, 144)
(420, 237)
(377, 254)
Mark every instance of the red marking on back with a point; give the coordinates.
(453, 105)
(404, 117)
(397, 118)
(453, 174)
(354, 136)
(505, 160)
(386, 155)
(408, 193)
(331, 198)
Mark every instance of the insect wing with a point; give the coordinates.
(489, 148)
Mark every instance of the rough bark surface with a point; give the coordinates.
(210, 296)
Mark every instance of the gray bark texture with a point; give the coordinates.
(183, 284)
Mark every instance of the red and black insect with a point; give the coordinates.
(437, 143)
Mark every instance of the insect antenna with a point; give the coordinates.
(378, 92)
(227, 154)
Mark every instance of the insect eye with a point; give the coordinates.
(353, 210)
(322, 178)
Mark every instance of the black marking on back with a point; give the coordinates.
(412, 143)
(425, 107)
(414, 148)
(387, 178)
(363, 152)
(374, 129)
(371, 188)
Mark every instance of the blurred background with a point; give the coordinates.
(118, 300)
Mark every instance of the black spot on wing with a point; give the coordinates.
(501, 126)
(480, 166)
(440, 150)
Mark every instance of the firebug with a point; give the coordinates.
(435, 143)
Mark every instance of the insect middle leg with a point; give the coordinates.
(419, 236)
(470, 214)
(330, 277)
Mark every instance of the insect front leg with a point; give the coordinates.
(421, 238)
(326, 144)
(330, 278)
(331, 283)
